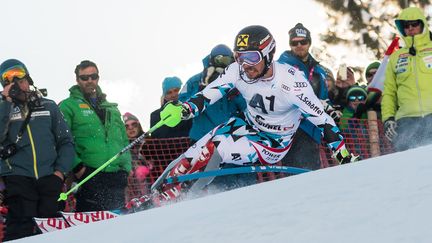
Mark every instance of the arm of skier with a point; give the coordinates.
(213, 92)
(313, 110)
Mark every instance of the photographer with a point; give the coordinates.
(36, 150)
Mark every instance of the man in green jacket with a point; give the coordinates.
(99, 134)
(407, 98)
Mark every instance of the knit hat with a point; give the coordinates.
(356, 91)
(129, 117)
(373, 65)
(299, 31)
(169, 83)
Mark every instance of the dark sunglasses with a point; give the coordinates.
(302, 42)
(132, 125)
(93, 76)
(359, 98)
(414, 24)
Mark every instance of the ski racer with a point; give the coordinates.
(277, 95)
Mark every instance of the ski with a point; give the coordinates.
(70, 219)
(160, 180)
(233, 171)
(154, 199)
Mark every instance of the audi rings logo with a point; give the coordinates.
(300, 84)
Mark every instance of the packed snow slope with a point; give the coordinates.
(385, 199)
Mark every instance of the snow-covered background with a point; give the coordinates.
(385, 199)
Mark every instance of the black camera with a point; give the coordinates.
(8, 151)
(16, 93)
(33, 98)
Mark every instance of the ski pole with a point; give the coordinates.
(170, 116)
(235, 171)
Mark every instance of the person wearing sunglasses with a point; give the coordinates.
(214, 65)
(137, 180)
(132, 125)
(406, 105)
(356, 96)
(276, 96)
(304, 152)
(99, 134)
(36, 151)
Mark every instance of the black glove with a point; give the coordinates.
(331, 111)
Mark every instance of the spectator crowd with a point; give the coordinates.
(47, 147)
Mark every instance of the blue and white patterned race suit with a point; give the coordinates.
(275, 106)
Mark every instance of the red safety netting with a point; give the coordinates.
(160, 152)
(362, 137)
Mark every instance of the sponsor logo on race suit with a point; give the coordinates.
(268, 155)
(260, 120)
(284, 87)
(309, 103)
(291, 71)
(300, 84)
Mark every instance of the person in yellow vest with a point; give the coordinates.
(407, 98)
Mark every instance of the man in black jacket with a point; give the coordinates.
(36, 150)
(304, 152)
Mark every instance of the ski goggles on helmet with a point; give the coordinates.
(15, 72)
(222, 61)
(250, 58)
